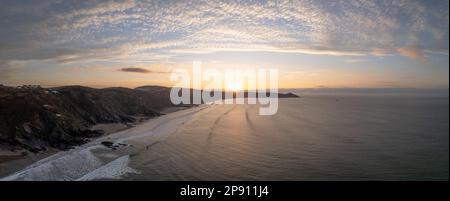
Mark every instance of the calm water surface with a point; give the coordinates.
(316, 137)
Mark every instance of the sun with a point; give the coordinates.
(235, 86)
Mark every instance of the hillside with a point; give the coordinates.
(35, 118)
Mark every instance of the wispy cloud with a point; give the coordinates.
(139, 70)
(413, 53)
(135, 70)
(5, 70)
(354, 60)
(73, 30)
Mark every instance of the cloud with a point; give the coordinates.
(139, 70)
(380, 52)
(102, 8)
(135, 70)
(412, 53)
(89, 30)
(355, 60)
(5, 70)
(8, 68)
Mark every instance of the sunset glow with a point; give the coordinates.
(381, 44)
(235, 87)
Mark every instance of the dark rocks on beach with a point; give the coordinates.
(112, 145)
(107, 144)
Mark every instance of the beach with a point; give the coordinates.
(89, 162)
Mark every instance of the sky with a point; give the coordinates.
(313, 43)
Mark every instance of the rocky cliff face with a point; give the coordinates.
(35, 118)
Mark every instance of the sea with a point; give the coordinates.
(314, 137)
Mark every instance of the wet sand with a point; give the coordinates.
(94, 160)
(13, 161)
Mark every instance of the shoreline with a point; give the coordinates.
(17, 160)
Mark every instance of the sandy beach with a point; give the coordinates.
(89, 161)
